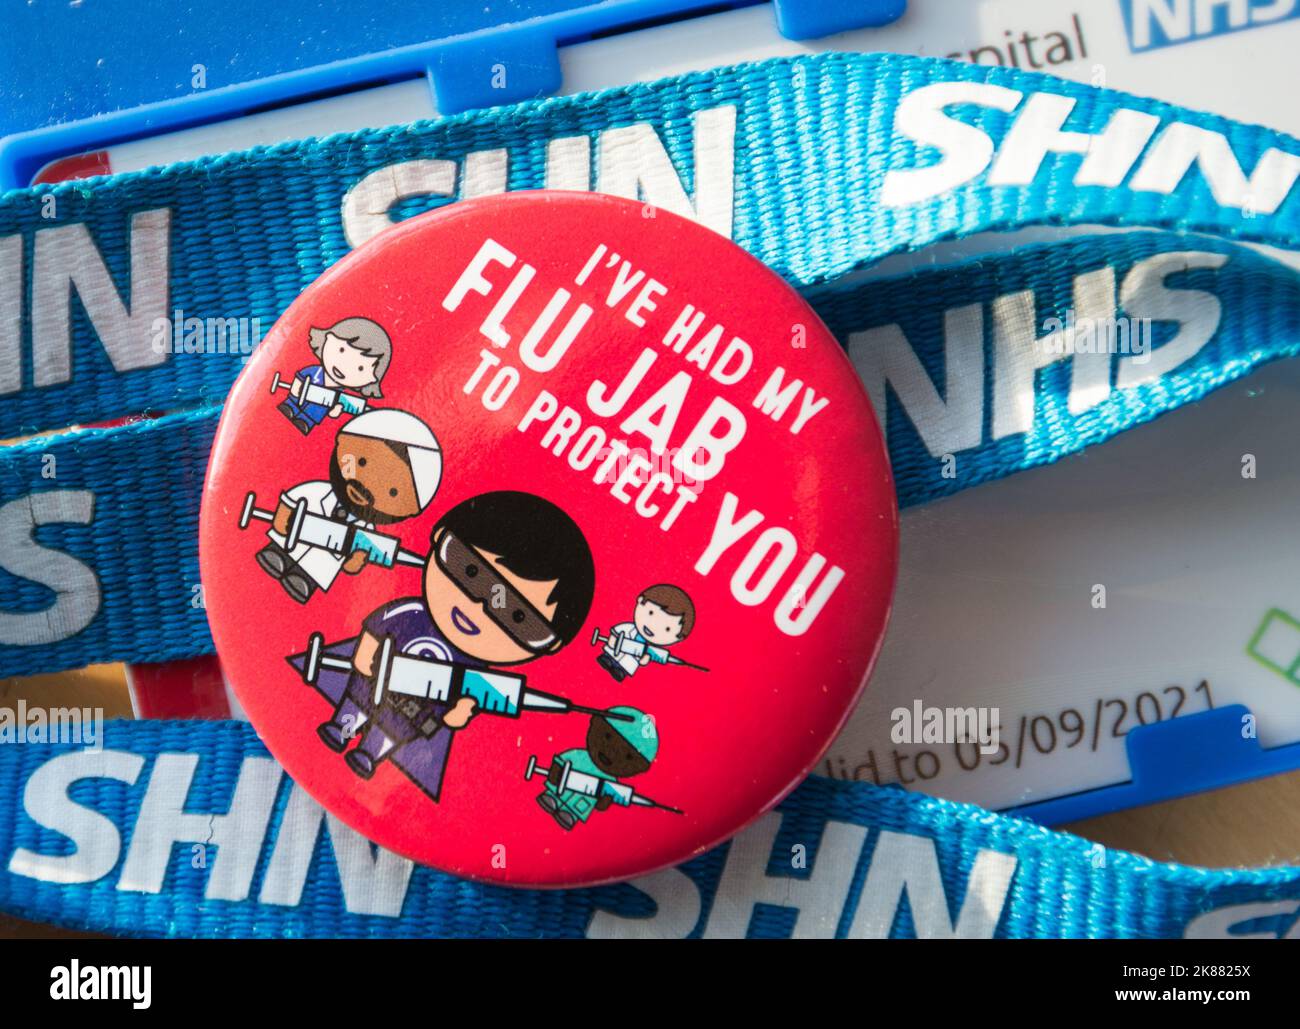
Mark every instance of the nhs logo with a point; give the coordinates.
(1152, 24)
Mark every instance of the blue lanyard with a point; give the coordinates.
(839, 160)
(124, 502)
(190, 829)
(795, 159)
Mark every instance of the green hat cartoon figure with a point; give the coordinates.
(639, 732)
(581, 781)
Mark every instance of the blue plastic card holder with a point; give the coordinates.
(112, 82)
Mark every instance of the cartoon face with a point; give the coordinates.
(345, 365)
(612, 753)
(655, 624)
(372, 480)
(462, 614)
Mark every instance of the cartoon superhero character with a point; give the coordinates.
(581, 781)
(386, 466)
(664, 616)
(353, 356)
(510, 580)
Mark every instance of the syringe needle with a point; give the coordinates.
(619, 716)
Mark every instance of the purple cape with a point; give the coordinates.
(423, 760)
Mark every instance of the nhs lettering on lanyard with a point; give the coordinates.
(819, 167)
(190, 829)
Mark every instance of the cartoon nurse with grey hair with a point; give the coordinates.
(354, 355)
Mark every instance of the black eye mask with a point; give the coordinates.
(478, 579)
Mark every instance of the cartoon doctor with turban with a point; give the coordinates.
(386, 467)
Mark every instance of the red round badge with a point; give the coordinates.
(548, 539)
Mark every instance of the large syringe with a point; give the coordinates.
(341, 538)
(310, 393)
(428, 678)
(593, 785)
(623, 643)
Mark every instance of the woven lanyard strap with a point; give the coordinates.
(191, 829)
(819, 166)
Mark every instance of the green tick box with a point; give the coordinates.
(1276, 645)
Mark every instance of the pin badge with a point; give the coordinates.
(548, 539)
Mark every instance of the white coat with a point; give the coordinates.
(319, 564)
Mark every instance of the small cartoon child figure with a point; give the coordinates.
(354, 355)
(664, 616)
(386, 467)
(615, 750)
(510, 580)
